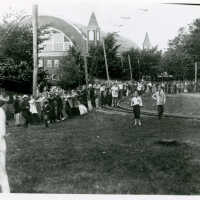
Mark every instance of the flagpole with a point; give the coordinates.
(85, 54)
(35, 48)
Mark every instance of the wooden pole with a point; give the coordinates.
(130, 67)
(86, 73)
(86, 80)
(105, 57)
(122, 64)
(138, 69)
(35, 48)
(195, 78)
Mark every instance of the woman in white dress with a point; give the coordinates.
(82, 108)
(33, 109)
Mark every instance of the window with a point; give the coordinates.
(54, 77)
(49, 63)
(67, 46)
(56, 63)
(98, 36)
(57, 41)
(91, 35)
(40, 63)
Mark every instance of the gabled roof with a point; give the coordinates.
(93, 22)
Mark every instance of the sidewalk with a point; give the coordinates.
(126, 108)
(154, 113)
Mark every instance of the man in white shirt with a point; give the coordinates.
(4, 184)
(120, 90)
(136, 103)
(115, 94)
(139, 88)
(160, 98)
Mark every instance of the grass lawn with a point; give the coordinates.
(99, 153)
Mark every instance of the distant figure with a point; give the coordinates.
(136, 103)
(17, 110)
(4, 184)
(82, 109)
(115, 95)
(25, 107)
(46, 109)
(160, 98)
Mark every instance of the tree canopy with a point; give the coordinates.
(144, 62)
(71, 69)
(16, 48)
(96, 58)
(183, 51)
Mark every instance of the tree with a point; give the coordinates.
(97, 61)
(191, 41)
(144, 62)
(71, 70)
(16, 47)
(179, 58)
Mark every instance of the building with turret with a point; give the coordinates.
(93, 30)
(64, 34)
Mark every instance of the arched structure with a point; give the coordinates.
(76, 35)
(64, 34)
(61, 36)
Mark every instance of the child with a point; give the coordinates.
(46, 111)
(136, 103)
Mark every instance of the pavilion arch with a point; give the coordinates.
(71, 31)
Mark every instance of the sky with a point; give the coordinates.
(161, 21)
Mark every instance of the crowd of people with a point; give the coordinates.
(177, 87)
(55, 104)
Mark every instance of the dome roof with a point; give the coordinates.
(78, 32)
(73, 32)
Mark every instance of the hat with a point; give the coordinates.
(25, 96)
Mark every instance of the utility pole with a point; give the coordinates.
(122, 64)
(129, 61)
(195, 78)
(35, 48)
(105, 57)
(86, 80)
(138, 69)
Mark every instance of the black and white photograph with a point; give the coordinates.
(100, 98)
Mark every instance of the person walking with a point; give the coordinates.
(4, 184)
(160, 99)
(136, 103)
